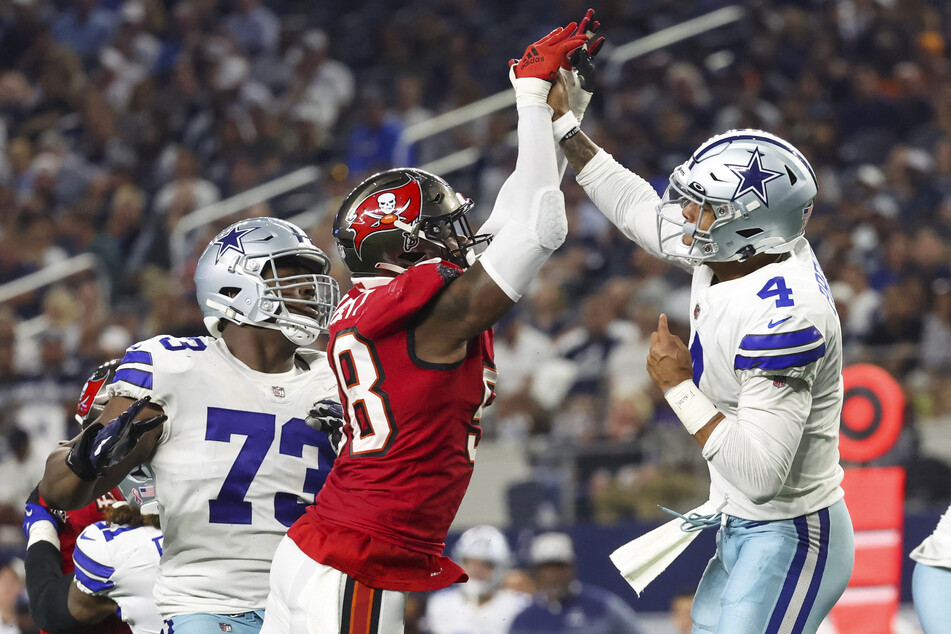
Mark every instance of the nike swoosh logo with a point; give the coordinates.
(29, 512)
(105, 440)
(773, 324)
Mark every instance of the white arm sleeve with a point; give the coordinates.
(755, 450)
(627, 200)
(528, 220)
(535, 167)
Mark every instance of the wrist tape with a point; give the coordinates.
(43, 531)
(690, 405)
(564, 125)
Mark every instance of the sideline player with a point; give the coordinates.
(235, 464)
(760, 387)
(411, 345)
(931, 580)
(480, 605)
(116, 562)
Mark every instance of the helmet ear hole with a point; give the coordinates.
(230, 291)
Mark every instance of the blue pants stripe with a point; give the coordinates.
(792, 576)
(817, 575)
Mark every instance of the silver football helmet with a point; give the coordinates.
(138, 489)
(485, 543)
(236, 280)
(760, 188)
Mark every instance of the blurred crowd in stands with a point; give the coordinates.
(119, 118)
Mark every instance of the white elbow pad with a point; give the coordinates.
(518, 252)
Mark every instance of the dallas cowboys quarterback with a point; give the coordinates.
(235, 464)
(760, 387)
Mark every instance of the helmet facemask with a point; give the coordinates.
(450, 237)
(274, 299)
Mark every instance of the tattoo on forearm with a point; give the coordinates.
(579, 149)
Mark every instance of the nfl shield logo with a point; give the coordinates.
(696, 311)
(278, 391)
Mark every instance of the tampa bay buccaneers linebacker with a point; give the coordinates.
(411, 346)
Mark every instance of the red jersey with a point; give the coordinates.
(412, 431)
(72, 524)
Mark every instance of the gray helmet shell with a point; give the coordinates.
(761, 190)
(236, 280)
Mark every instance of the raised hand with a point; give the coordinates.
(668, 361)
(543, 58)
(103, 446)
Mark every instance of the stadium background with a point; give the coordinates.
(130, 132)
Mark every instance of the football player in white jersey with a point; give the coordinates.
(116, 562)
(760, 387)
(235, 464)
(931, 581)
(480, 605)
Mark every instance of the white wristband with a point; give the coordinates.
(690, 405)
(43, 531)
(563, 125)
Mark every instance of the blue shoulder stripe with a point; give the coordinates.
(781, 362)
(91, 582)
(781, 340)
(94, 567)
(135, 377)
(138, 356)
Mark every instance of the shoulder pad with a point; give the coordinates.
(389, 307)
(93, 561)
(160, 354)
(790, 346)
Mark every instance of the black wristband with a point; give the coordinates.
(575, 130)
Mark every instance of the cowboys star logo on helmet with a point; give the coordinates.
(381, 211)
(231, 241)
(753, 177)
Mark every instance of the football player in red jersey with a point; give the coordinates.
(411, 346)
(70, 524)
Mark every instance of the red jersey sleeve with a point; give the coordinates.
(399, 301)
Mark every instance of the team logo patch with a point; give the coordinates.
(696, 311)
(779, 381)
(225, 627)
(278, 391)
(379, 211)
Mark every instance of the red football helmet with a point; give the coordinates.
(400, 217)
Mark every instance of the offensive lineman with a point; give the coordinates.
(234, 464)
(760, 386)
(411, 345)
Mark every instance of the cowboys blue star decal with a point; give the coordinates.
(231, 242)
(753, 178)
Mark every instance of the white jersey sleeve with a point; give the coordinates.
(754, 449)
(121, 563)
(789, 347)
(935, 550)
(628, 201)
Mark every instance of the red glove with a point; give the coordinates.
(543, 58)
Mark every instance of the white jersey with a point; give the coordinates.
(936, 549)
(449, 611)
(121, 563)
(766, 350)
(235, 465)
